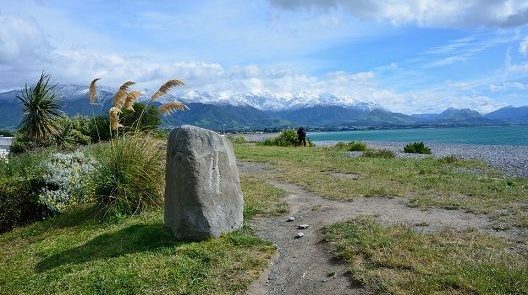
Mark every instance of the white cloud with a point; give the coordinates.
(523, 46)
(427, 13)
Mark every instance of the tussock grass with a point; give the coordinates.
(398, 260)
(386, 154)
(130, 174)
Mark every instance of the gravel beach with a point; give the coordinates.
(513, 160)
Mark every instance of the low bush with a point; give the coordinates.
(68, 179)
(356, 146)
(20, 184)
(129, 175)
(287, 137)
(19, 203)
(237, 139)
(417, 148)
(379, 154)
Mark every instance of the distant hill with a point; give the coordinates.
(517, 115)
(242, 115)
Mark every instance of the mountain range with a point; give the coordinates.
(254, 112)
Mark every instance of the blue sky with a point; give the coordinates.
(406, 55)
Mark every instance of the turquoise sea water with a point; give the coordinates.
(490, 135)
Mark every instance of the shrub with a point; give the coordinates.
(68, 179)
(351, 146)
(417, 148)
(21, 144)
(237, 139)
(19, 203)
(129, 176)
(20, 184)
(287, 137)
(378, 154)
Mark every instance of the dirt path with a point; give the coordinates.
(305, 265)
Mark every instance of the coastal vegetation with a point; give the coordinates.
(80, 210)
(287, 137)
(398, 260)
(352, 146)
(417, 148)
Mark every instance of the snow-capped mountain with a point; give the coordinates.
(256, 111)
(273, 102)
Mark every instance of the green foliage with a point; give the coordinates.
(99, 129)
(357, 146)
(150, 120)
(237, 139)
(129, 176)
(41, 109)
(73, 132)
(20, 184)
(287, 137)
(21, 144)
(398, 260)
(386, 154)
(417, 148)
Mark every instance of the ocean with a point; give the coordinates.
(484, 135)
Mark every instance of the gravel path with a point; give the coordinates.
(306, 265)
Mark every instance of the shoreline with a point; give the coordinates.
(511, 159)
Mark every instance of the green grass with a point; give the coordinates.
(446, 183)
(260, 198)
(398, 260)
(76, 254)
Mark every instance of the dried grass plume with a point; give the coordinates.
(166, 88)
(93, 91)
(113, 114)
(131, 98)
(170, 107)
(120, 96)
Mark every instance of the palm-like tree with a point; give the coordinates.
(41, 109)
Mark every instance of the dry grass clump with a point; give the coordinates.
(130, 173)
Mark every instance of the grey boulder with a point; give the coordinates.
(203, 197)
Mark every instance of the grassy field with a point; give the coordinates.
(75, 254)
(398, 260)
(446, 183)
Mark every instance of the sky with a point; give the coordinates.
(409, 56)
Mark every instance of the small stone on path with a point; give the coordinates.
(303, 226)
(290, 219)
(299, 235)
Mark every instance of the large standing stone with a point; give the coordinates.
(202, 191)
